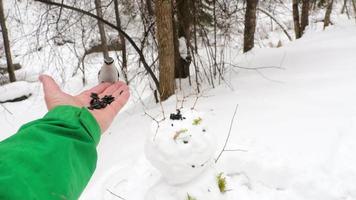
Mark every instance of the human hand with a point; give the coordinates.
(54, 96)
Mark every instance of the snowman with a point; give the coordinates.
(181, 147)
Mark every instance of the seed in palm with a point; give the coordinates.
(108, 99)
(97, 103)
(94, 96)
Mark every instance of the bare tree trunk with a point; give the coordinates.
(195, 27)
(165, 47)
(344, 7)
(149, 8)
(328, 13)
(296, 19)
(305, 16)
(178, 65)
(314, 5)
(122, 41)
(215, 42)
(250, 25)
(10, 67)
(101, 29)
(182, 29)
(354, 5)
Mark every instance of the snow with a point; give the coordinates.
(15, 90)
(293, 136)
(183, 50)
(294, 127)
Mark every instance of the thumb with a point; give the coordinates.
(50, 87)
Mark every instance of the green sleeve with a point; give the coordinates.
(50, 158)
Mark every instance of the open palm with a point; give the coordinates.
(54, 96)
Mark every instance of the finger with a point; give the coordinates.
(98, 89)
(49, 85)
(121, 97)
(114, 87)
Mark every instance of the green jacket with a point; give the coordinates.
(50, 158)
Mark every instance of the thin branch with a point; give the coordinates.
(277, 22)
(257, 68)
(6, 109)
(158, 123)
(115, 195)
(228, 135)
(267, 78)
(234, 150)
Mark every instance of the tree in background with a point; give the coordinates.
(182, 28)
(296, 19)
(328, 13)
(122, 41)
(305, 16)
(10, 66)
(104, 43)
(344, 7)
(300, 23)
(354, 6)
(164, 23)
(250, 25)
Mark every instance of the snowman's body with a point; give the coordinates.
(181, 149)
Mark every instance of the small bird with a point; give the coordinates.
(108, 72)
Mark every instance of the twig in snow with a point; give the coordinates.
(195, 102)
(257, 68)
(234, 150)
(6, 109)
(265, 77)
(228, 135)
(115, 195)
(154, 119)
(197, 97)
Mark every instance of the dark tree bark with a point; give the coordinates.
(195, 26)
(297, 30)
(178, 65)
(164, 23)
(305, 16)
(182, 29)
(344, 7)
(354, 6)
(250, 25)
(328, 13)
(184, 15)
(101, 29)
(10, 67)
(149, 8)
(122, 41)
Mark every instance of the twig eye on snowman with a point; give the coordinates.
(181, 148)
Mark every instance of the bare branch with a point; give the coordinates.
(228, 135)
(277, 22)
(115, 195)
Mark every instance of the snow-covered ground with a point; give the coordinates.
(294, 132)
(296, 126)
